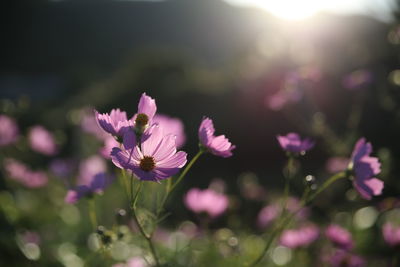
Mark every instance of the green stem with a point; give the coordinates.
(92, 213)
(306, 199)
(171, 188)
(140, 227)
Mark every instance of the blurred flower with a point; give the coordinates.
(90, 167)
(89, 125)
(8, 130)
(267, 215)
(217, 145)
(365, 167)
(339, 236)
(301, 237)
(92, 178)
(62, 167)
(172, 126)
(357, 79)
(207, 201)
(272, 211)
(391, 234)
(293, 143)
(21, 173)
(42, 141)
(116, 123)
(97, 185)
(343, 258)
(132, 262)
(109, 144)
(153, 159)
(336, 164)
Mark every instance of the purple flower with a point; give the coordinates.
(365, 167)
(207, 201)
(22, 174)
(8, 130)
(30, 237)
(357, 79)
(91, 179)
(172, 126)
(343, 258)
(116, 123)
(293, 143)
(391, 234)
(132, 262)
(301, 237)
(42, 141)
(217, 145)
(337, 164)
(97, 185)
(90, 167)
(153, 158)
(339, 236)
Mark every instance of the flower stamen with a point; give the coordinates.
(147, 163)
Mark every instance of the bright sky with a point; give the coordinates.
(301, 9)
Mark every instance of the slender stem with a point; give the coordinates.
(325, 185)
(171, 188)
(183, 174)
(306, 199)
(92, 213)
(288, 175)
(140, 227)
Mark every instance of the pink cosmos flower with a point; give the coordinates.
(293, 143)
(365, 167)
(217, 145)
(116, 123)
(301, 237)
(153, 158)
(391, 234)
(42, 141)
(207, 201)
(172, 126)
(22, 174)
(8, 130)
(339, 236)
(337, 164)
(91, 179)
(343, 258)
(132, 262)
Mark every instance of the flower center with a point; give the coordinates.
(141, 119)
(147, 163)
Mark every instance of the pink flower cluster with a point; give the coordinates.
(207, 200)
(301, 237)
(150, 141)
(22, 174)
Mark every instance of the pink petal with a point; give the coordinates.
(150, 145)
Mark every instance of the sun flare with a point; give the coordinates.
(291, 9)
